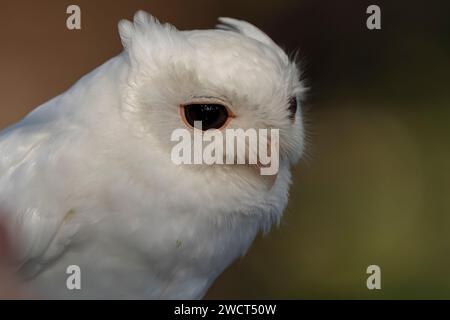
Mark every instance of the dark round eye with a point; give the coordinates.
(292, 108)
(212, 116)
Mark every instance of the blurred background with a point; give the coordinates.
(375, 185)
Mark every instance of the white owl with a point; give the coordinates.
(86, 179)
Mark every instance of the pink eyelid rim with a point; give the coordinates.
(231, 115)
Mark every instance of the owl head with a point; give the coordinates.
(231, 77)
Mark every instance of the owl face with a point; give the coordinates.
(233, 77)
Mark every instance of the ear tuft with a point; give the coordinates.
(142, 22)
(126, 30)
(143, 19)
(249, 30)
(244, 28)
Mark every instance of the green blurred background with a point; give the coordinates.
(374, 187)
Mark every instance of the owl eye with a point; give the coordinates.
(292, 108)
(212, 116)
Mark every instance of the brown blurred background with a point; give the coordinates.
(375, 187)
